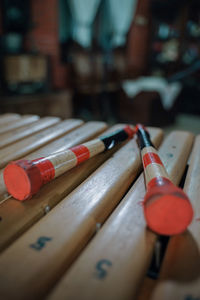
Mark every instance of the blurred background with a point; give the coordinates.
(111, 60)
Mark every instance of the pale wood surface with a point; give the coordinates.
(6, 115)
(180, 273)
(26, 119)
(15, 135)
(26, 213)
(6, 118)
(35, 141)
(68, 227)
(114, 264)
(77, 136)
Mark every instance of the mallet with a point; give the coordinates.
(23, 178)
(167, 208)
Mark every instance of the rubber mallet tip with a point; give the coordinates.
(168, 212)
(22, 179)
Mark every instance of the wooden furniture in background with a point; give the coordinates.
(145, 108)
(48, 104)
(25, 68)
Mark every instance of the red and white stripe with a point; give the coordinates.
(56, 164)
(153, 166)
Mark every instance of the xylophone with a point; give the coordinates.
(83, 235)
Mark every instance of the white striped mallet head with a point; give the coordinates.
(24, 178)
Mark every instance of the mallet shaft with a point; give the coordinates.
(24, 178)
(167, 208)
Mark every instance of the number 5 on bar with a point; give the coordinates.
(167, 208)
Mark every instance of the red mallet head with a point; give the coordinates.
(167, 208)
(24, 178)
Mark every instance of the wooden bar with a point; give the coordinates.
(51, 245)
(35, 141)
(27, 213)
(180, 273)
(84, 133)
(6, 118)
(26, 119)
(114, 264)
(26, 130)
(7, 115)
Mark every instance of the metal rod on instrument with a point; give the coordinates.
(167, 208)
(24, 178)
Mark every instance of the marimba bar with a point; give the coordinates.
(23, 147)
(24, 120)
(8, 118)
(94, 243)
(17, 134)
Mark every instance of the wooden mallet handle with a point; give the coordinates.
(24, 178)
(167, 208)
